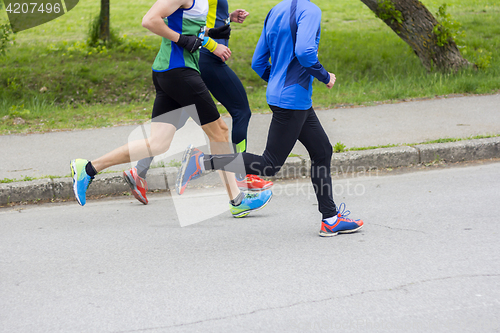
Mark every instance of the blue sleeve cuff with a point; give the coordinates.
(266, 74)
(318, 71)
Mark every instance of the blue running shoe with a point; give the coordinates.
(190, 168)
(251, 203)
(342, 225)
(81, 180)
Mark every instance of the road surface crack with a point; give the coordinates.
(392, 228)
(400, 287)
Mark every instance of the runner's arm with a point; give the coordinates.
(210, 44)
(153, 20)
(306, 51)
(260, 60)
(222, 51)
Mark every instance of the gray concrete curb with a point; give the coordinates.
(295, 167)
(459, 151)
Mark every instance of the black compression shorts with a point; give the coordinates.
(181, 88)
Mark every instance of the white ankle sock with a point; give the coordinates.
(331, 220)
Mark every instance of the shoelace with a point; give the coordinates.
(251, 195)
(342, 211)
(250, 178)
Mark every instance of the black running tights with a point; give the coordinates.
(288, 126)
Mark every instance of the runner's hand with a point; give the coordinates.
(330, 84)
(222, 32)
(223, 52)
(190, 42)
(239, 15)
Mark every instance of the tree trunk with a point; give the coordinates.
(104, 21)
(415, 27)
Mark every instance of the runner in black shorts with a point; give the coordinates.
(178, 84)
(226, 87)
(178, 88)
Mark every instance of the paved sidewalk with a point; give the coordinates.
(409, 123)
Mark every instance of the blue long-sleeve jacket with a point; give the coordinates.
(290, 37)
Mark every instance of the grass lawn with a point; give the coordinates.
(51, 80)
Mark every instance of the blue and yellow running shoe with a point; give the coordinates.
(251, 203)
(81, 180)
(342, 225)
(190, 168)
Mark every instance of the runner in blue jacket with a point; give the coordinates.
(290, 38)
(295, 54)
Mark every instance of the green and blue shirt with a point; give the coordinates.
(186, 21)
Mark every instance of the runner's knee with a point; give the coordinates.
(158, 146)
(242, 116)
(322, 153)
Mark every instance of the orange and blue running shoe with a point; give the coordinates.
(190, 168)
(342, 225)
(251, 203)
(138, 185)
(253, 183)
(81, 180)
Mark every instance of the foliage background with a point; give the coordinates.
(52, 79)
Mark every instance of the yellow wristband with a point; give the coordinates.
(210, 44)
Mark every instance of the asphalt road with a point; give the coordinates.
(428, 260)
